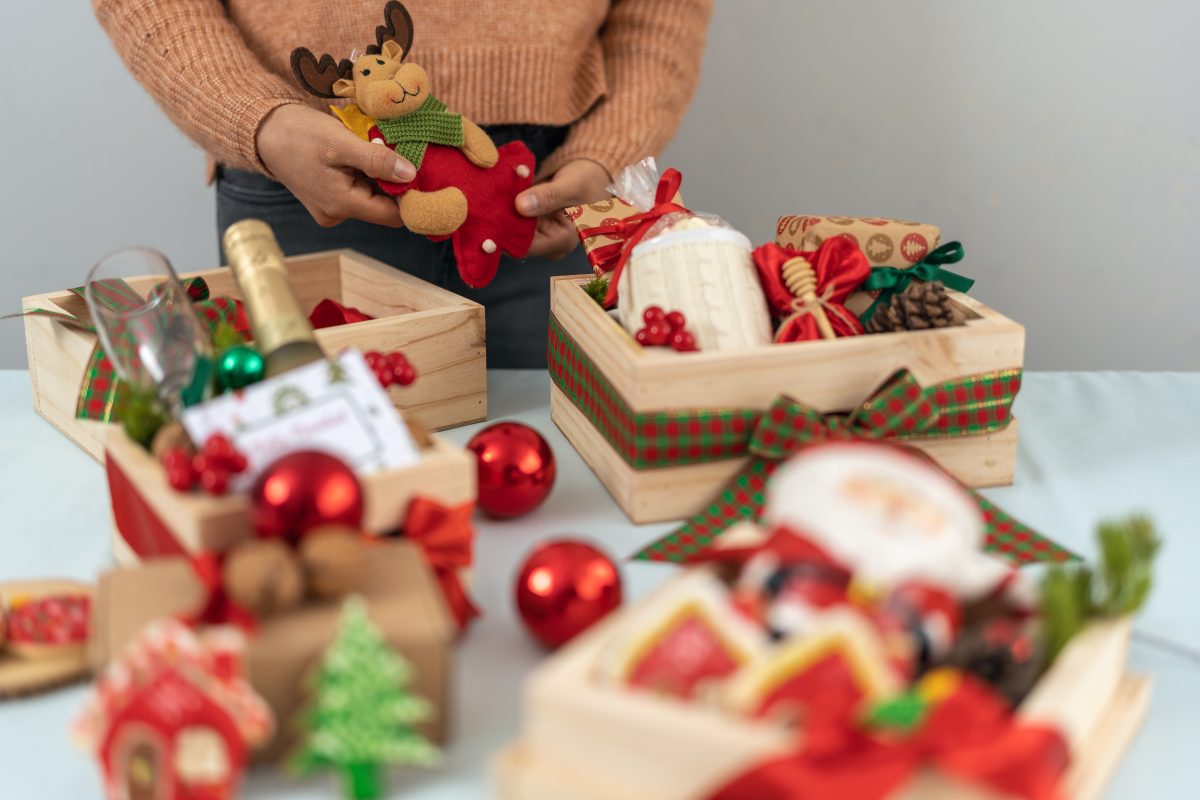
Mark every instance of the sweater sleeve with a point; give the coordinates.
(652, 54)
(191, 58)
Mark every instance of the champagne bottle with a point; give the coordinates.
(281, 331)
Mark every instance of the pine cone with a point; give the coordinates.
(921, 306)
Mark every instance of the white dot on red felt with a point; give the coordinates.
(489, 246)
(522, 171)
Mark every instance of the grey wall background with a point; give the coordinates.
(1060, 141)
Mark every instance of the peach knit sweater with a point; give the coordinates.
(619, 72)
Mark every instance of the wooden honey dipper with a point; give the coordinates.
(801, 281)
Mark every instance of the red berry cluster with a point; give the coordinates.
(213, 466)
(663, 328)
(392, 369)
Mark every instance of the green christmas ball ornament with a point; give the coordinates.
(239, 367)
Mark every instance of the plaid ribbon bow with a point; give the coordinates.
(101, 389)
(900, 409)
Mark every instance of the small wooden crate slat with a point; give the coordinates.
(581, 740)
(441, 333)
(830, 376)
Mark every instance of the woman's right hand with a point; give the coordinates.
(323, 164)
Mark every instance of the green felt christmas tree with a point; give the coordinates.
(362, 715)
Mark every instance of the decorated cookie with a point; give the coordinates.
(44, 628)
(842, 662)
(889, 517)
(687, 638)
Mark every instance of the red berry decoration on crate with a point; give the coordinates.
(391, 369)
(516, 468)
(217, 462)
(665, 329)
(303, 490)
(565, 587)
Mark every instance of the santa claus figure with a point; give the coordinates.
(876, 527)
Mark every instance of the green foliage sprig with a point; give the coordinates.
(597, 289)
(1073, 595)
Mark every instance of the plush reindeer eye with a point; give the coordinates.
(366, 72)
(379, 61)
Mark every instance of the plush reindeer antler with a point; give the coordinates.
(398, 27)
(318, 77)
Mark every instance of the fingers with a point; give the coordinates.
(553, 241)
(375, 160)
(353, 198)
(580, 181)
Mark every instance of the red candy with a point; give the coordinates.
(212, 467)
(391, 369)
(652, 315)
(665, 329)
(683, 341)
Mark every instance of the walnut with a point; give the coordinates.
(335, 559)
(263, 576)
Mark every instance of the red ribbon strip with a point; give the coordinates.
(629, 231)
(971, 735)
(330, 313)
(140, 527)
(445, 536)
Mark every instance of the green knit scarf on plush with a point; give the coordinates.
(429, 124)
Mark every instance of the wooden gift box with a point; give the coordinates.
(829, 376)
(441, 333)
(402, 596)
(198, 522)
(584, 740)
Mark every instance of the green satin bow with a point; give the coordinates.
(888, 281)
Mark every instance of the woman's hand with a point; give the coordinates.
(577, 182)
(322, 163)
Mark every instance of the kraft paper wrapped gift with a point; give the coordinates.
(403, 599)
(886, 242)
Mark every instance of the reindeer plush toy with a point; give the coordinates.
(465, 187)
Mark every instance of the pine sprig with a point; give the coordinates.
(1074, 595)
(597, 289)
(225, 336)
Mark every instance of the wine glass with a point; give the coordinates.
(148, 327)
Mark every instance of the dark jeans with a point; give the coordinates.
(517, 301)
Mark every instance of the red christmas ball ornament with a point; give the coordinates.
(516, 468)
(565, 587)
(302, 490)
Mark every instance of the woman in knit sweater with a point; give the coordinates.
(589, 85)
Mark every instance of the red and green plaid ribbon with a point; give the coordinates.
(101, 388)
(785, 429)
(901, 410)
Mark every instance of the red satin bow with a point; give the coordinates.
(445, 536)
(218, 608)
(971, 735)
(331, 313)
(840, 268)
(629, 231)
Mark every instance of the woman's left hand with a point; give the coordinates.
(577, 182)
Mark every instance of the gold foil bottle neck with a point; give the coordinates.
(278, 323)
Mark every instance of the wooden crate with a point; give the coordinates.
(830, 376)
(198, 522)
(582, 740)
(441, 333)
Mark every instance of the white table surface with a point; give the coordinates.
(1092, 445)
